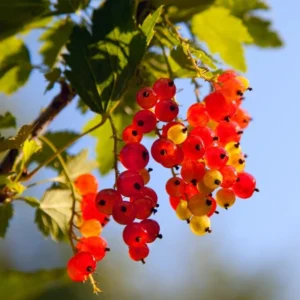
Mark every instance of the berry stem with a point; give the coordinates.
(200, 72)
(72, 187)
(115, 147)
(96, 290)
(196, 90)
(67, 145)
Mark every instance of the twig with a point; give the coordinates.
(58, 103)
(196, 90)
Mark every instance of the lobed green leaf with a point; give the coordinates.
(6, 213)
(7, 121)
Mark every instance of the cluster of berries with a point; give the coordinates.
(91, 247)
(205, 147)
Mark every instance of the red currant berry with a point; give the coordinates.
(139, 253)
(81, 265)
(175, 160)
(124, 212)
(164, 88)
(143, 206)
(175, 187)
(192, 171)
(193, 147)
(228, 132)
(106, 199)
(132, 134)
(86, 184)
(163, 150)
(130, 183)
(206, 134)
(174, 201)
(217, 106)
(189, 192)
(134, 156)
(229, 174)
(146, 191)
(197, 115)
(242, 118)
(152, 228)
(244, 186)
(166, 110)
(96, 245)
(146, 98)
(232, 88)
(90, 211)
(134, 234)
(216, 157)
(228, 74)
(145, 120)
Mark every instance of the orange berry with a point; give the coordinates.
(86, 184)
(90, 228)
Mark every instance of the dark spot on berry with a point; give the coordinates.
(150, 170)
(240, 132)
(172, 108)
(245, 121)
(140, 123)
(159, 236)
(176, 168)
(123, 209)
(215, 138)
(137, 186)
(171, 83)
(222, 155)
(145, 155)
(163, 152)
(241, 161)
(154, 211)
(106, 219)
(246, 155)
(238, 179)
(143, 261)
(177, 182)
(102, 202)
(107, 249)
(198, 147)
(226, 206)
(208, 230)
(236, 145)
(194, 182)
(239, 93)
(134, 132)
(227, 119)
(208, 202)
(146, 94)
(217, 181)
(89, 269)
(138, 239)
(184, 130)
(256, 190)
(216, 212)
(157, 205)
(250, 88)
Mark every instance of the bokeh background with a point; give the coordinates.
(254, 250)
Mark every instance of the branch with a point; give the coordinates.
(58, 103)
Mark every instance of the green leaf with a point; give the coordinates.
(6, 213)
(15, 65)
(32, 201)
(54, 213)
(7, 121)
(203, 57)
(59, 139)
(103, 64)
(223, 34)
(241, 7)
(83, 108)
(80, 164)
(29, 148)
(261, 32)
(15, 285)
(149, 24)
(52, 76)
(54, 39)
(105, 143)
(15, 187)
(17, 141)
(69, 6)
(15, 15)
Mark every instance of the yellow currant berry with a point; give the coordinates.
(200, 225)
(182, 211)
(177, 133)
(199, 205)
(233, 148)
(212, 179)
(91, 228)
(237, 161)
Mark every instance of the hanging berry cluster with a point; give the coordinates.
(203, 153)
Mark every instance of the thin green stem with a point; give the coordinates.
(72, 187)
(115, 147)
(171, 74)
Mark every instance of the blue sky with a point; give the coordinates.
(256, 233)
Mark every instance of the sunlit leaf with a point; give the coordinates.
(15, 65)
(223, 34)
(54, 40)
